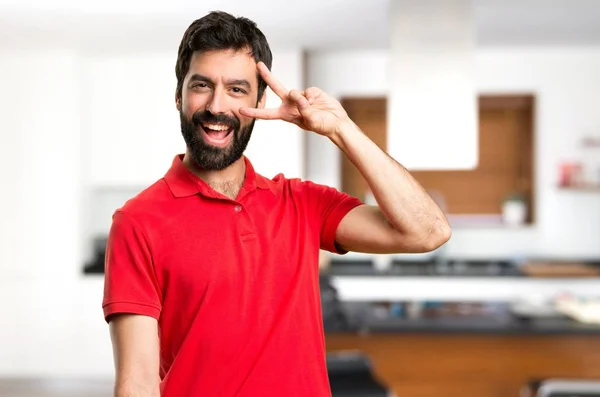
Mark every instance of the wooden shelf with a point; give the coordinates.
(584, 188)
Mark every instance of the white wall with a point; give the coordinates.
(47, 310)
(82, 132)
(565, 82)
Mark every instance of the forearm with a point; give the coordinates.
(136, 355)
(402, 200)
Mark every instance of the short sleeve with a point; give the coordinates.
(130, 283)
(330, 206)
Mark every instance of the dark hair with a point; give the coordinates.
(222, 31)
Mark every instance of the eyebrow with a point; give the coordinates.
(242, 82)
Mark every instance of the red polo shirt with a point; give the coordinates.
(233, 283)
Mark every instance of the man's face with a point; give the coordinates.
(217, 85)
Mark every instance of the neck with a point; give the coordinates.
(227, 182)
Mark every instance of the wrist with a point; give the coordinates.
(341, 130)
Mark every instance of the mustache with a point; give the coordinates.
(208, 117)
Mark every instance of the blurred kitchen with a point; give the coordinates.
(492, 104)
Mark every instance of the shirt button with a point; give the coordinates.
(238, 208)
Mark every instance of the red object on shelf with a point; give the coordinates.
(571, 174)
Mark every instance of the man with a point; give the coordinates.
(212, 272)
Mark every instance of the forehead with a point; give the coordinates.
(223, 65)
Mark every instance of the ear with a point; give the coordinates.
(177, 101)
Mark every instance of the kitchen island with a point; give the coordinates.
(432, 330)
(472, 357)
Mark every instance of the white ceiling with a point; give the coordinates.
(310, 24)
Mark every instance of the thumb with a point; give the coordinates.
(306, 111)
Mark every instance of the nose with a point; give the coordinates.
(217, 103)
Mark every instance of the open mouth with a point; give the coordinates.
(216, 134)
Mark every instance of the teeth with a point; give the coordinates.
(216, 127)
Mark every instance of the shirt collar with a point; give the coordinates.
(183, 182)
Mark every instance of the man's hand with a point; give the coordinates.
(311, 109)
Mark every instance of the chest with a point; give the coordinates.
(223, 249)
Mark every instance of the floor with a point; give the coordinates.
(54, 388)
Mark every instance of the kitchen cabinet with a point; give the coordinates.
(472, 364)
(505, 142)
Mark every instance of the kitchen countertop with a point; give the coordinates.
(494, 317)
(431, 268)
(507, 326)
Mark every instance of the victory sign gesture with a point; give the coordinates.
(311, 109)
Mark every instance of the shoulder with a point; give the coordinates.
(302, 190)
(294, 185)
(146, 203)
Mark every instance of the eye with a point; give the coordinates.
(197, 86)
(238, 90)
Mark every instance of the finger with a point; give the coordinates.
(310, 99)
(275, 85)
(312, 93)
(264, 114)
(299, 98)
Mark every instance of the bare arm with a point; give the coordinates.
(406, 220)
(136, 355)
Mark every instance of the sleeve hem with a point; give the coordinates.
(131, 308)
(332, 222)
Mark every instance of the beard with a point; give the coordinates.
(206, 156)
